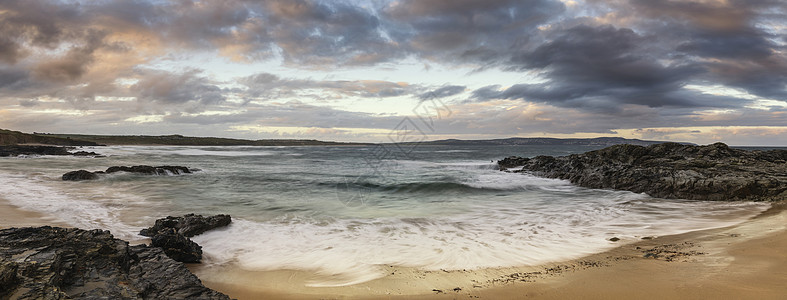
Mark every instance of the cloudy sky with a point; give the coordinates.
(685, 70)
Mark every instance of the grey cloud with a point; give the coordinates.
(12, 78)
(732, 39)
(598, 67)
(475, 31)
(269, 86)
(173, 88)
(442, 92)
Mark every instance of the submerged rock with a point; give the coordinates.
(669, 170)
(79, 175)
(145, 170)
(148, 170)
(188, 225)
(66, 263)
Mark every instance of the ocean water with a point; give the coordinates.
(343, 212)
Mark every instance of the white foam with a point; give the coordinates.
(31, 194)
(188, 151)
(512, 181)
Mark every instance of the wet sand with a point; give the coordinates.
(12, 216)
(746, 261)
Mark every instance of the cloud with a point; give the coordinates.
(478, 32)
(176, 88)
(270, 86)
(442, 92)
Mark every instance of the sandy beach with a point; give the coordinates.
(745, 261)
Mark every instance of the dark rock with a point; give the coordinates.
(66, 263)
(670, 170)
(148, 170)
(614, 239)
(177, 246)
(85, 153)
(188, 225)
(17, 150)
(79, 175)
(511, 162)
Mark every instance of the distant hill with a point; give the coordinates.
(8, 137)
(600, 141)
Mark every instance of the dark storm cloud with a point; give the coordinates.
(735, 40)
(474, 31)
(599, 68)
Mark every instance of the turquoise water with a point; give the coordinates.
(345, 211)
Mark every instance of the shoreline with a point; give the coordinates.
(740, 261)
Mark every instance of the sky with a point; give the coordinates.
(698, 71)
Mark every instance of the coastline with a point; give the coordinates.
(740, 261)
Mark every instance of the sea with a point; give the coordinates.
(344, 212)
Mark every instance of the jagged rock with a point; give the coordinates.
(177, 246)
(85, 153)
(148, 170)
(67, 263)
(17, 150)
(79, 175)
(670, 170)
(511, 162)
(188, 225)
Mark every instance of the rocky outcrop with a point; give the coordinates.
(172, 234)
(177, 246)
(145, 170)
(148, 170)
(188, 225)
(59, 263)
(669, 170)
(17, 150)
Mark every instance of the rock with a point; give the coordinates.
(614, 239)
(188, 225)
(670, 170)
(511, 162)
(66, 263)
(79, 175)
(177, 246)
(17, 150)
(85, 153)
(146, 170)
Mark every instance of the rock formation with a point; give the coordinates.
(172, 234)
(17, 150)
(145, 170)
(188, 225)
(669, 170)
(59, 263)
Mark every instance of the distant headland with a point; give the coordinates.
(8, 137)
